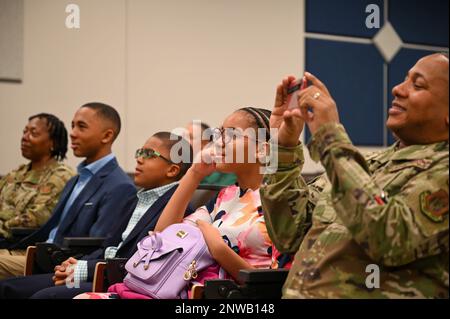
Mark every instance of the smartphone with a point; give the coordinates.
(293, 91)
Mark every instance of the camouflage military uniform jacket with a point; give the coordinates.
(387, 212)
(28, 197)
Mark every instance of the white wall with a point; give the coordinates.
(64, 68)
(202, 59)
(161, 63)
(11, 39)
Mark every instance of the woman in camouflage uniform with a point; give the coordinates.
(29, 193)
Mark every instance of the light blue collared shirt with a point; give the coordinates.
(85, 173)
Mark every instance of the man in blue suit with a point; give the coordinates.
(158, 177)
(91, 202)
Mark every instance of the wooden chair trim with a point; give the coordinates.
(197, 291)
(99, 277)
(29, 262)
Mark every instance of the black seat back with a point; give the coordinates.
(203, 194)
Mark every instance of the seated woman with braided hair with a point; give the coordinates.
(29, 193)
(232, 224)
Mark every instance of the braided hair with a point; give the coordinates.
(260, 117)
(58, 134)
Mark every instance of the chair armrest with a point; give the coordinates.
(257, 276)
(17, 234)
(22, 231)
(29, 261)
(108, 273)
(222, 289)
(71, 242)
(197, 292)
(256, 284)
(49, 255)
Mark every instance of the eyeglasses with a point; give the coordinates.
(149, 153)
(228, 134)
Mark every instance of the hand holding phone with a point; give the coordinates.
(293, 90)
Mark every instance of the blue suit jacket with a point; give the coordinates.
(95, 211)
(129, 246)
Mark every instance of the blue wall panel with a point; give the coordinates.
(343, 17)
(420, 22)
(353, 74)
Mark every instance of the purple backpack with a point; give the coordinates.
(165, 263)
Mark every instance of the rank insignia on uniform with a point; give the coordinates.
(434, 205)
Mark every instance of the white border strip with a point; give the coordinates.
(337, 38)
(424, 47)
